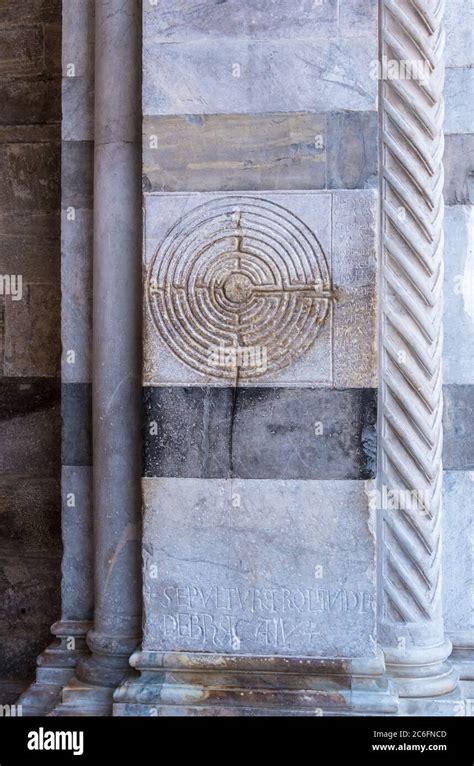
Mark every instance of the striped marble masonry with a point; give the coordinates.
(76, 313)
(458, 354)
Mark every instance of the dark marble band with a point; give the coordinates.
(285, 433)
(30, 423)
(275, 431)
(23, 396)
(76, 411)
(260, 433)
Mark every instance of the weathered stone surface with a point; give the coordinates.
(21, 51)
(259, 567)
(78, 37)
(458, 441)
(39, 99)
(259, 433)
(78, 71)
(328, 216)
(2, 331)
(32, 332)
(458, 553)
(459, 96)
(186, 432)
(29, 177)
(232, 152)
(78, 109)
(459, 295)
(29, 514)
(354, 268)
(30, 134)
(30, 415)
(76, 413)
(30, 11)
(352, 149)
(30, 93)
(459, 23)
(77, 565)
(41, 223)
(35, 257)
(76, 294)
(256, 77)
(194, 20)
(260, 151)
(52, 49)
(30, 588)
(459, 170)
(10, 689)
(358, 17)
(77, 174)
(447, 705)
(30, 547)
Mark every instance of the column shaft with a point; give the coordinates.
(116, 342)
(410, 427)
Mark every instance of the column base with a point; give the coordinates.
(90, 690)
(187, 684)
(55, 667)
(83, 700)
(422, 671)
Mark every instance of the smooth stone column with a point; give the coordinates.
(116, 394)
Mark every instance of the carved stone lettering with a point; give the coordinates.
(234, 618)
(291, 571)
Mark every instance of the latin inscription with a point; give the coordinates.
(231, 617)
(289, 572)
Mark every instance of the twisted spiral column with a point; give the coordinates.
(410, 469)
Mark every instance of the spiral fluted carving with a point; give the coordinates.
(412, 306)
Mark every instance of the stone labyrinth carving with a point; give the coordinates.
(238, 287)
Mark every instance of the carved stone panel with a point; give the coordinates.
(260, 289)
(239, 276)
(259, 567)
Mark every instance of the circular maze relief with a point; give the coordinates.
(239, 287)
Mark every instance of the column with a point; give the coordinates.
(410, 413)
(56, 664)
(116, 356)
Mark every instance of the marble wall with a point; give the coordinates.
(30, 162)
(459, 323)
(260, 164)
(260, 135)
